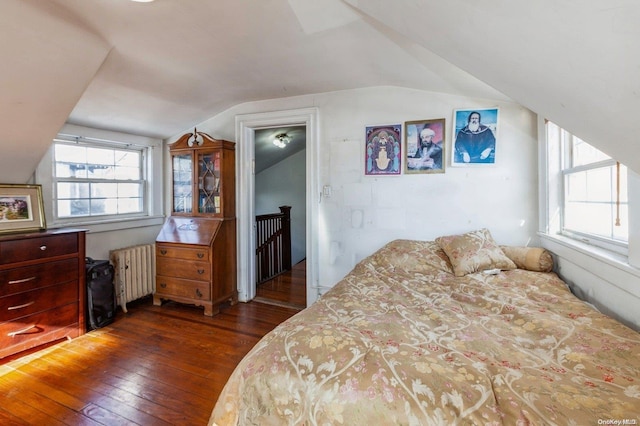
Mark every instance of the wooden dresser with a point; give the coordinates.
(196, 248)
(42, 288)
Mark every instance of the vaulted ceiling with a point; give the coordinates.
(157, 69)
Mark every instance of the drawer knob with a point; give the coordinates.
(200, 255)
(43, 247)
(163, 285)
(198, 292)
(201, 271)
(163, 252)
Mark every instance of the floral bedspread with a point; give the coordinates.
(402, 341)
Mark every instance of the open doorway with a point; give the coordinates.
(280, 208)
(246, 128)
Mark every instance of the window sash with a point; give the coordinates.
(581, 205)
(120, 192)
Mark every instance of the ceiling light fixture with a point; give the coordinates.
(142, 1)
(281, 140)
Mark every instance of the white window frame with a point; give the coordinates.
(152, 158)
(551, 192)
(112, 146)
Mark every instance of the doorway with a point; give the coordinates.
(280, 207)
(246, 127)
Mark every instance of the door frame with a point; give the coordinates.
(246, 124)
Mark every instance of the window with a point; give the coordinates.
(92, 180)
(593, 201)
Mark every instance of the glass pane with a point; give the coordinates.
(129, 190)
(583, 153)
(104, 190)
(131, 173)
(209, 182)
(71, 208)
(70, 153)
(98, 207)
(127, 159)
(77, 170)
(73, 190)
(100, 171)
(589, 218)
(100, 156)
(129, 205)
(182, 185)
(591, 203)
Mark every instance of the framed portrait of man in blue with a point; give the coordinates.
(475, 136)
(383, 150)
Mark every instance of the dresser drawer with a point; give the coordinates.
(34, 301)
(169, 252)
(191, 270)
(28, 278)
(38, 248)
(171, 286)
(34, 329)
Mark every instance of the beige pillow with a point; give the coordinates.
(474, 252)
(530, 258)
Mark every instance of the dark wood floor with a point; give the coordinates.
(152, 366)
(287, 289)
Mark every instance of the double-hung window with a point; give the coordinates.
(92, 180)
(593, 192)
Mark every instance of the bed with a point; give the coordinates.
(453, 331)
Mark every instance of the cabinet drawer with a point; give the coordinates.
(31, 277)
(192, 270)
(171, 286)
(169, 252)
(42, 299)
(38, 248)
(36, 328)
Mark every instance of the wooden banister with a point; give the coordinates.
(273, 245)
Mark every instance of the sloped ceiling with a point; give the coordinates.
(574, 62)
(158, 69)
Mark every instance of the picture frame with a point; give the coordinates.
(425, 146)
(383, 150)
(21, 208)
(475, 137)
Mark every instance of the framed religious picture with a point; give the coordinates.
(475, 136)
(21, 208)
(383, 150)
(425, 146)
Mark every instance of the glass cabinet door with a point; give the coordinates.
(183, 183)
(209, 182)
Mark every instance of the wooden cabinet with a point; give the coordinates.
(42, 288)
(196, 248)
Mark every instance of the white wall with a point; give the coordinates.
(283, 184)
(502, 198)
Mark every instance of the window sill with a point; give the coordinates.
(96, 226)
(609, 266)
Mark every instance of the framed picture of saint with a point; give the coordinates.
(425, 146)
(383, 150)
(475, 137)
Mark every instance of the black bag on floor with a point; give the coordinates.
(101, 296)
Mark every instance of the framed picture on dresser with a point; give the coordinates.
(21, 208)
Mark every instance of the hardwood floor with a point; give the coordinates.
(153, 366)
(287, 289)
